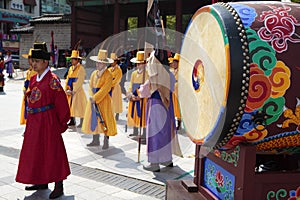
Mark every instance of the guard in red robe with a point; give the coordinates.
(43, 158)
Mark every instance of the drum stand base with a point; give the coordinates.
(237, 168)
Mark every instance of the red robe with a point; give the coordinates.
(43, 157)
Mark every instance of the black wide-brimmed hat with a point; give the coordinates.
(40, 51)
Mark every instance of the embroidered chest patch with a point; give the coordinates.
(35, 95)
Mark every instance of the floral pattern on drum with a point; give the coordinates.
(269, 78)
(279, 28)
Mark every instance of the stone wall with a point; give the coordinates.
(42, 33)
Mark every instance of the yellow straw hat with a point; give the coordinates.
(75, 54)
(114, 56)
(140, 57)
(27, 55)
(175, 58)
(102, 57)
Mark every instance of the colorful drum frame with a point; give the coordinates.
(239, 76)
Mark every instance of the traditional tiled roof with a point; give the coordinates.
(23, 29)
(51, 19)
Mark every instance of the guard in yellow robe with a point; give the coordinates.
(116, 95)
(136, 105)
(74, 88)
(99, 116)
(29, 73)
(174, 64)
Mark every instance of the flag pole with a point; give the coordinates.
(150, 2)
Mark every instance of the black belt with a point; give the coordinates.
(41, 109)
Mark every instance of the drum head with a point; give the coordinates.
(206, 88)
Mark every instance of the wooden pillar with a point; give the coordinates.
(178, 24)
(116, 17)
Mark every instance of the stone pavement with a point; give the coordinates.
(96, 174)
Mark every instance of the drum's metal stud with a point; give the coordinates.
(240, 108)
(232, 125)
(243, 81)
(247, 57)
(247, 85)
(248, 71)
(231, 130)
(244, 75)
(239, 118)
(242, 94)
(241, 112)
(247, 78)
(243, 47)
(237, 114)
(234, 120)
(234, 128)
(239, 28)
(243, 88)
(244, 54)
(245, 97)
(241, 34)
(245, 43)
(242, 40)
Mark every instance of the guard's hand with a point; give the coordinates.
(135, 98)
(92, 100)
(69, 92)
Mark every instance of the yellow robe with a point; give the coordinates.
(176, 105)
(29, 73)
(77, 101)
(103, 101)
(116, 73)
(133, 118)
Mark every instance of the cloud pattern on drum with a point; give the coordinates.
(279, 27)
(269, 77)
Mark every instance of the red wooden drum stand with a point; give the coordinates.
(232, 175)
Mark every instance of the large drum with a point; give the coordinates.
(239, 77)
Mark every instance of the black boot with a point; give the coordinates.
(135, 131)
(37, 187)
(80, 124)
(105, 142)
(72, 122)
(58, 190)
(95, 141)
(178, 124)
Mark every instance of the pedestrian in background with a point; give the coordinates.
(116, 95)
(74, 89)
(43, 158)
(123, 67)
(29, 73)
(8, 64)
(99, 118)
(2, 79)
(136, 116)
